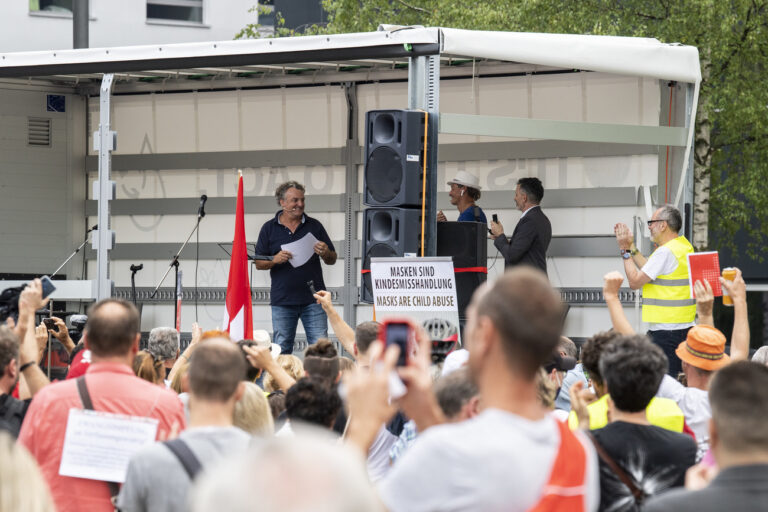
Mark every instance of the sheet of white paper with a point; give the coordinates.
(301, 249)
(98, 445)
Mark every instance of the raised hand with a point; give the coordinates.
(623, 236)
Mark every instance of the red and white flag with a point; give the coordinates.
(238, 313)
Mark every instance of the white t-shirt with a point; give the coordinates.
(660, 263)
(694, 403)
(496, 461)
(378, 454)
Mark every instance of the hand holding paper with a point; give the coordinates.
(281, 257)
(704, 266)
(301, 250)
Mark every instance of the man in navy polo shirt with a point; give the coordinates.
(291, 298)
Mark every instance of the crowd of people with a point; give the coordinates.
(519, 418)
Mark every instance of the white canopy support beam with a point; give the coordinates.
(105, 142)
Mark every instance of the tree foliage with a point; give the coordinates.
(732, 38)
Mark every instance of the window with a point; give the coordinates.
(51, 6)
(175, 10)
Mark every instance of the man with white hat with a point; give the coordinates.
(465, 190)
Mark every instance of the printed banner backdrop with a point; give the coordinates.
(422, 289)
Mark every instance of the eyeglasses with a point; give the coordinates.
(650, 222)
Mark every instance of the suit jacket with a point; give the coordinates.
(529, 242)
(742, 488)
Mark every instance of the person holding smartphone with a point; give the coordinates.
(464, 192)
(531, 237)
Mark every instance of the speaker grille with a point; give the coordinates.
(383, 129)
(380, 227)
(384, 174)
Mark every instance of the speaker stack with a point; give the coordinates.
(392, 187)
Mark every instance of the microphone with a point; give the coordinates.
(136, 268)
(201, 210)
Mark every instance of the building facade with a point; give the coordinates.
(47, 24)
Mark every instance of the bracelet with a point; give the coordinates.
(184, 356)
(25, 366)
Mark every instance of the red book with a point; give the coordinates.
(704, 266)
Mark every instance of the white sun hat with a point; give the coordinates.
(263, 339)
(467, 179)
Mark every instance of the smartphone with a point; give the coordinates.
(48, 287)
(50, 323)
(495, 218)
(397, 332)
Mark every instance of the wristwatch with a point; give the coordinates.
(625, 254)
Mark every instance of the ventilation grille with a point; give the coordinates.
(39, 131)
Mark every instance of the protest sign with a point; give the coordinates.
(98, 445)
(423, 289)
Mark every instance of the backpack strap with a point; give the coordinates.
(638, 493)
(476, 212)
(85, 398)
(187, 459)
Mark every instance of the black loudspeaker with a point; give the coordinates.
(467, 243)
(394, 153)
(387, 232)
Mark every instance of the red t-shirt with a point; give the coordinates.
(80, 364)
(113, 388)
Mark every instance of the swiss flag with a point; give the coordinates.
(238, 314)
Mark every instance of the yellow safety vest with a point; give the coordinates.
(662, 412)
(667, 299)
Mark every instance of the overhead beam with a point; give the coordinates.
(496, 126)
(458, 152)
(97, 65)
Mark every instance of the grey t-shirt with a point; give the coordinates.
(496, 461)
(156, 480)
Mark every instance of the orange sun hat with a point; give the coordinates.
(704, 348)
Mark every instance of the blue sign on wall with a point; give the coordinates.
(56, 103)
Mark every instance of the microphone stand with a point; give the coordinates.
(75, 252)
(50, 304)
(134, 269)
(175, 264)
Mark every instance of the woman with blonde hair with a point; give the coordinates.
(252, 412)
(292, 366)
(22, 487)
(150, 368)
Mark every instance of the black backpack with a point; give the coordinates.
(12, 413)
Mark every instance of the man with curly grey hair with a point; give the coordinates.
(290, 294)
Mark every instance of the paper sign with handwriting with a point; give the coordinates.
(98, 445)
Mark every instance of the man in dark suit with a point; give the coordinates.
(530, 240)
(738, 440)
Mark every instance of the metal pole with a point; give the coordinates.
(690, 117)
(80, 23)
(104, 140)
(350, 296)
(424, 94)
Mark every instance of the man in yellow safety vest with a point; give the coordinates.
(668, 307)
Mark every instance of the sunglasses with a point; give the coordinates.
(650, 222)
